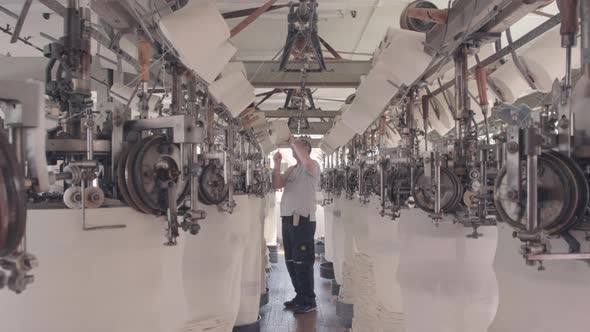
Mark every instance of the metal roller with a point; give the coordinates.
(73, 198)
(13, 200)
(94, 197)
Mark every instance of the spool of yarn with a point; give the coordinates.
(279, 132)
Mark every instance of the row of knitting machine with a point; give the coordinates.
(447, 212)
(196, 165)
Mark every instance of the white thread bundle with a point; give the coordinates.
(365, 304)
(347, 285)
(390, 321)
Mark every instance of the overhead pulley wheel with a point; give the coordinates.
(451, 191)
(562, 192)
(409, 22)
(150, 165)
(12, 199)
(212, 187)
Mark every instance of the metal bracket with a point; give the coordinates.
(519, 65)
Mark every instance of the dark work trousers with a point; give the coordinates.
(299, 245)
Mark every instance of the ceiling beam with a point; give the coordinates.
(283, 113)
(340, 74)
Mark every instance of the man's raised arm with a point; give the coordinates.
(277, 179)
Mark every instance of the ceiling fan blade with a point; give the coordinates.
(249, 11)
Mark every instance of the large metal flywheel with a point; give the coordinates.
(212, 187)
(451, 191)
(12, 199)
(562, 191)
(144, 171)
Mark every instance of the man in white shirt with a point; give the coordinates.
(298, 207)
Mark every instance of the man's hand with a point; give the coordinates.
(277, 159)
(277, 179)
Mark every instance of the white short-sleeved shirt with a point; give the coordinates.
(299, 194)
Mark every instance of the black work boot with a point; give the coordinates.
(293, 303)
(305, 307)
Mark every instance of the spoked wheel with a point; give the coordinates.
(13, 212)
(562, 193)
(212, 187)
(451, 191)
(148, 166)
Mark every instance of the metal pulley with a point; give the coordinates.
(12, 199)
(144, 172)
(451, 191)
(73, 197)
(562, 193)
(422, 16)
(212, 187)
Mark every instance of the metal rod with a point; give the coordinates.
(524, 40)
(9, 12)
(382, 185)
(89, 137)
(483, 158)
(83, 202)
(556, 257)
(585, 49)
(252, 17)
(21, 21)
(517, 63)
(532, 220)
(437, 206)
(330, 49)
(228, 165)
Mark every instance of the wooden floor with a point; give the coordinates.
(276, 319)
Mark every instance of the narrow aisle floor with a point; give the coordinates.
(276, 319)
